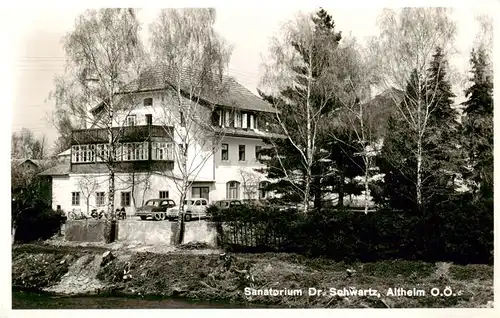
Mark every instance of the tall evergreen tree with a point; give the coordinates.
(397, 160)
(478, 124)
(303, 107)
(439, 145)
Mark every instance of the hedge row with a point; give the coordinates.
(37, 222)
(459, 231)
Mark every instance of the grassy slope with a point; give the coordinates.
(209, 277)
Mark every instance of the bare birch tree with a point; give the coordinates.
(355, 71)
(404, 50)
(88, 185)
(104, 55)
(298, 71)
(251, 182)
(192, 58)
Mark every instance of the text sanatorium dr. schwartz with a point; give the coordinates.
(342, 292)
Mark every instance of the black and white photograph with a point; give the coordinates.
(285, 157)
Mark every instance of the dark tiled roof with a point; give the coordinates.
(231, 94)
(57, 170)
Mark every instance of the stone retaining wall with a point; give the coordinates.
(138, 231)
(84, 231)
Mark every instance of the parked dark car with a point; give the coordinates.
(225, 204)
(155, 208)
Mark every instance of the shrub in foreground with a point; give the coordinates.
(460, 231)
(37, 222)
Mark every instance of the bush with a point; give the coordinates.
(37, 222)
(460, 231)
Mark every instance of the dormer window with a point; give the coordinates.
(148, 101)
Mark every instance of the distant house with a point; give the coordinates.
(24, 176)
(30, 164)
(146, 150)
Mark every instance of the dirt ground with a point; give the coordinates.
(195, 272)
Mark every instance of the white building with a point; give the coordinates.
(149, 138)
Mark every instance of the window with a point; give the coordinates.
(142, 151)
(244, 120)
(133, 151)
(257, 152)
(90, 153)
(183, 150)
(126, 152)
(200, 192)
(83, 153)
(75, 198)
(99, 198)
(227, 118)
(75, 154)
(241, 152)
(102, 153)
(163, 195)
(216, 118)
(251, 121)
(149, 119)
(233, 190)
(148, 101)
(131, 120)
(183, 120)
(237, 120)
(263, 193)
(225, 152)
(125, 199)
(162, 151)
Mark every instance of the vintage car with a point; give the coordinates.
(193, 209)
(156, 209)
(225, 204)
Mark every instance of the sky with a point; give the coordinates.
(38, 54)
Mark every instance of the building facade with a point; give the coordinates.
(149, 137)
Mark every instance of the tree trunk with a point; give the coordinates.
(367, 188)
(111, 195)
(419, 174)
(307, 190)
(180, 219)
(111, 222)
(317, 193)
(340, 202)
(111, 175)
(133, 191)
(309, 150)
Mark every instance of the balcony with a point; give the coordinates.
(121, 134)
